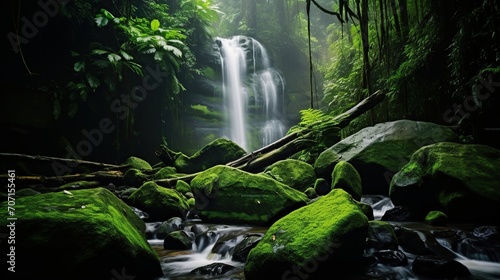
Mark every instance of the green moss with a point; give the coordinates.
(165, 173)
(219, 151)
(223, 191)
(160, 203)
(293, 173)
(107, 231)
(138, 163)
(346, 177)
(436, 218)
(134, 177)
(182, 187)
(334, 222)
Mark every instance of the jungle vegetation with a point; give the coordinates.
(128, 67)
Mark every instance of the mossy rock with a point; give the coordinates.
(293, 173)
(328, 234)
(80, 234)
(219, 151)
(460, 180)
(158, 202)
(378, 152)
(225, 194)
(138, 163)
(134, 177)
(165, 173)
(436, 218)
(182, 187)
(346, 177)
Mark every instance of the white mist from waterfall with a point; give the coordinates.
(250, 81)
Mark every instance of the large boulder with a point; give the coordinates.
(378, 152)
(158, 202)
(462, 180)
(293, 173)
(225, 194)
(80, 234)
(219, 151)
(327, 235)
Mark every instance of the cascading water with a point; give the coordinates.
(249, 81)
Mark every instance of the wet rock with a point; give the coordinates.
(241, 250)
(381, 235)
(437, 267)
(178, 240)
(436, 218)
(391, 257)
(213, 269)
(172, 224)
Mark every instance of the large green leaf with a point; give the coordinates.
(92, 80)
(79, 66)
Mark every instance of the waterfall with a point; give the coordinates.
(253, 93)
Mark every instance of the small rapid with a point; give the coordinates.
(219, 251)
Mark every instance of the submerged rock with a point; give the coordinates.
(228, 195)
(461, 180)
(80, 234)
(327, 235)
(379, 151)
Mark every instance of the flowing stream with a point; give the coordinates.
(253, 93)
(219, 248)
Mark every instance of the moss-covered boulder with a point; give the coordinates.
(327, 235)
(346, 177)
(80, 234)
(461, 180)
(293, 173)
(165, 173)
(228, 195)
(160, 203)
(134, 177)
(378, 152)
(137, 163)
(219, 151)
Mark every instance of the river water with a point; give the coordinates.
(177, 265)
